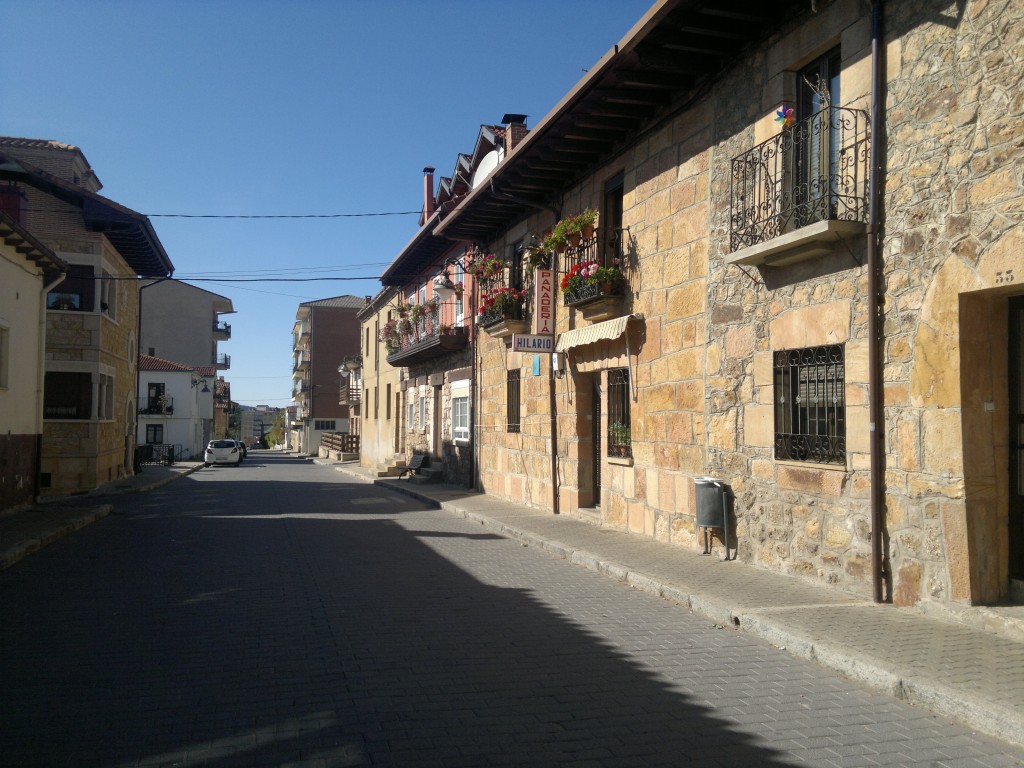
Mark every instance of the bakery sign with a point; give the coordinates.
(544, 302)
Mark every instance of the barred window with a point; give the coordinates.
(810, 404)
(324, 424)
(512, 395)
(620, 442)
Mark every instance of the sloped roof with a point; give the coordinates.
(675, 50)
(341, 302)
(22, 241)
(130, 232)
(50, 145)
(150, 363)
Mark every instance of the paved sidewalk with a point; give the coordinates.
(968, 666)
(25, 530)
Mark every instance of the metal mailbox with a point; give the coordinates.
(713, 507)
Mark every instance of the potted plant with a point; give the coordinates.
(619, 437)
(583, 223)
(536, 255)
(503, 301)
(487, 267)
(415, 313)
(402, 308)
(389, 335)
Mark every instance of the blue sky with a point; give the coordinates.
(286, 108)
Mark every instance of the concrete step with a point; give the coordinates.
(426, 475)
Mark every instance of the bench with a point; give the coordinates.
(414, 465)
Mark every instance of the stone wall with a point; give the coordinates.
(950, 251)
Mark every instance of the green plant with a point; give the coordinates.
(589, 273)
(415, 313)
(487, 267)
(501, 300)
(582, 222)
(619, 434)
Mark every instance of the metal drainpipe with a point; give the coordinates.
(880, 574)
(553, 406)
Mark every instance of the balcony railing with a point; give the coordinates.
(222, 361)
(299, 390)
(221, 329)
(348, 392)
(437, 331)
(156, 406)
(589, 252)
(340, 442)
(814, 171)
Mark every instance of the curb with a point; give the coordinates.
(981, 715)
(18, 551)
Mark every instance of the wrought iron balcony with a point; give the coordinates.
(221, 330)
(812, 176)
(156, 406)
(437, 331)
(222, 362)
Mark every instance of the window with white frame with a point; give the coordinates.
(411, 419)
(460, 410)
(423, 412)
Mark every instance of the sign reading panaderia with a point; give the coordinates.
(527, 342)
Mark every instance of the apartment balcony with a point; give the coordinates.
(156, 406)
(594, 282)
(221, 330)
(435, 332)
(349, 391)
(300, 364)
(300, 391)
(796, 194)
(222, 362)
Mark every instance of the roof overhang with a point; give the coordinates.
(423, 249)
(130, 232)
(21, 240)
(655, 70)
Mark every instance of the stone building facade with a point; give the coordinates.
(787, 276)
(89, 407)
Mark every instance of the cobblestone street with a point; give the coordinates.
(281, 614)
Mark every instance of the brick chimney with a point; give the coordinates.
(428, 194)
(515, 131)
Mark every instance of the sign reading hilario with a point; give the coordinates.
(544, 302)
(524, 342)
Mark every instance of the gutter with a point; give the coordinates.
(881, 575)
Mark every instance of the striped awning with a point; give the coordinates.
(606, 331)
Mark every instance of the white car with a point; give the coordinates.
(223, 452)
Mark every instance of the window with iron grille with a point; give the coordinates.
(620, 441)
(512, 394)
(810, 404)
(327, 424)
